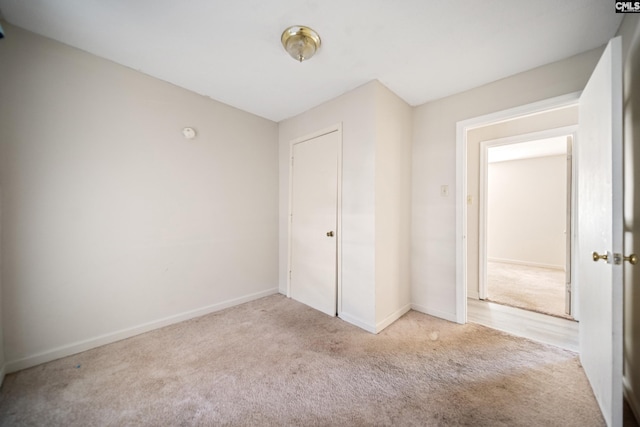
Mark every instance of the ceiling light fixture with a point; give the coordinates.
(301, 42)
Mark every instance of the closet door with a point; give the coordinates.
(314, 220)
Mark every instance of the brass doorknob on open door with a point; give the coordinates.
(597, 257)
(329, 233)
(617, 258)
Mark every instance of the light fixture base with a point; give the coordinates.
(300, 42)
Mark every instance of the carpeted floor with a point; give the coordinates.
(276, 362)
(531, 288)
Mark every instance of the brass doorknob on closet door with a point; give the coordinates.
(633, 259)
(329, 233)
(597, 257)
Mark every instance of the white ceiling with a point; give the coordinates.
(230, 50)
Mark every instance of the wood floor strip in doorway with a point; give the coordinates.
(538, 327)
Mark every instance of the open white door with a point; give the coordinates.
(600, 215)
(314, 222)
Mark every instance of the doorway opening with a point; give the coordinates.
(525, 217)
(552, 118)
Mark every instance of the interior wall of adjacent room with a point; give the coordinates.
(113, 223)
(526, 206)
(630, 32)
(433, 228)
(562, 117)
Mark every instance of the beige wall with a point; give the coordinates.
(392, 206)
(375, 200)
(112, 222)
(526, 205)
(630, 32)
(433, 250)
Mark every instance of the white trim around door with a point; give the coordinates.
(462, 127)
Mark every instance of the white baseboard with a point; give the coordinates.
(80, 346)
(527, 263)
(392, 318)
(356, 321)
(473, 294)
(632, 398)
(451, 317)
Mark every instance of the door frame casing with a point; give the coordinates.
(462, 128)
(334, 128)
(571, 218)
